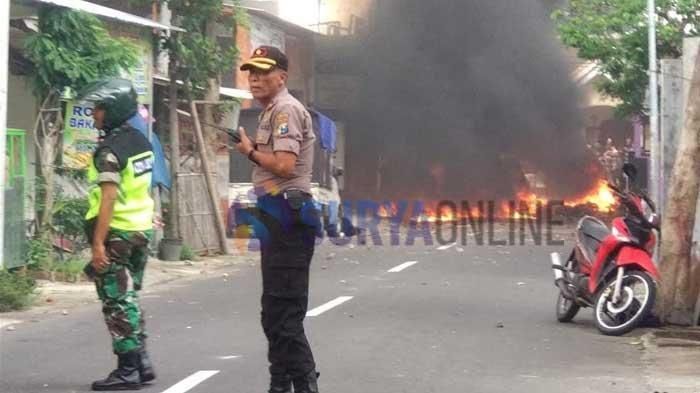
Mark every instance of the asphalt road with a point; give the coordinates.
(459, 319)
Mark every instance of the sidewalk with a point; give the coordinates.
(61, 297)
(672, 356)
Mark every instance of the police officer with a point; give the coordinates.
(119, 225)
(282, 151)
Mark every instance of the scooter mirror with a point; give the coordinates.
(631, 172)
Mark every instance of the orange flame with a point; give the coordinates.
(388, 210)
(527, 205)
(600, 196)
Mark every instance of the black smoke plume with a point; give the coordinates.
(459, 96)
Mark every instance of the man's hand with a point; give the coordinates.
(246, 145)
(99, 258)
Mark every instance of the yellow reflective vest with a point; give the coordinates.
(133, 209)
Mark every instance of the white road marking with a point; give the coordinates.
(402, 266)
(446, 247)
(325, 307)
(191, 381)
(229, 357)
(8, 322)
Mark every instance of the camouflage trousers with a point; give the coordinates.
(118, 287)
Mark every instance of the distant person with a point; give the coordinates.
(611, 159)
(283, 153)
(119, 226)
(628, 150)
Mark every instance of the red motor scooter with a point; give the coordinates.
(612, 270)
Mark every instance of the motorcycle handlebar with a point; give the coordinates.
(632, 207)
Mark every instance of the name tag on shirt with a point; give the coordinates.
(143, 166)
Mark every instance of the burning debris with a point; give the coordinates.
(527, 205)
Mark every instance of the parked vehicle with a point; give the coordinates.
(611, 270)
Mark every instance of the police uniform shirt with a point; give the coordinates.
(285, 126)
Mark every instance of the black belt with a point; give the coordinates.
(288, 194)
(293, 193)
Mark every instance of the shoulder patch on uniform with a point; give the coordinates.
(282, 123)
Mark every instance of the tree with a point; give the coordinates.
(677, 295)
(201, 59)
(614, 34)
(70, 50)
(198, 59)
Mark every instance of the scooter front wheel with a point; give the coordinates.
(638, 294)
(566, 309)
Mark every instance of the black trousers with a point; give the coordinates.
(287, 238)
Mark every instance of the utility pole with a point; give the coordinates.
(174, 125)
(654, 159)
(4, 68)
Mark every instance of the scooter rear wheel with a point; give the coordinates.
(566, 309)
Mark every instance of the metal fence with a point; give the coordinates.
(14, 236)
(15, 239)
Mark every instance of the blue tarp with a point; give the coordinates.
(161, 174)
(327, 130)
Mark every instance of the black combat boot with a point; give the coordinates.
(280, 384)
(125, 377)
(145, 366)
(307, 383)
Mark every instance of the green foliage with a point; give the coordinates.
(72, 49)
(39, 253)
(186, 254)
(71, 269)
(199, 55)
(615, 35)
(16, 291)
(69, 217)
(78, 174)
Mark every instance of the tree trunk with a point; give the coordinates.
(208, 111)
(211, 135)
(49, 147)
(173, 229)
(46, 139)
(676, 302)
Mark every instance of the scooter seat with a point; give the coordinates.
(591, 233)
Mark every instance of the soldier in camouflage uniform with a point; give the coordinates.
(119, 227)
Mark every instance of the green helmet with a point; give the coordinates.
(116, 96)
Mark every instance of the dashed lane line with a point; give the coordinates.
(325, 307)
(446, 247)
(191, 381)
(402, 266)
(229, 357)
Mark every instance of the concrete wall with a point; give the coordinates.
(343, 10)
